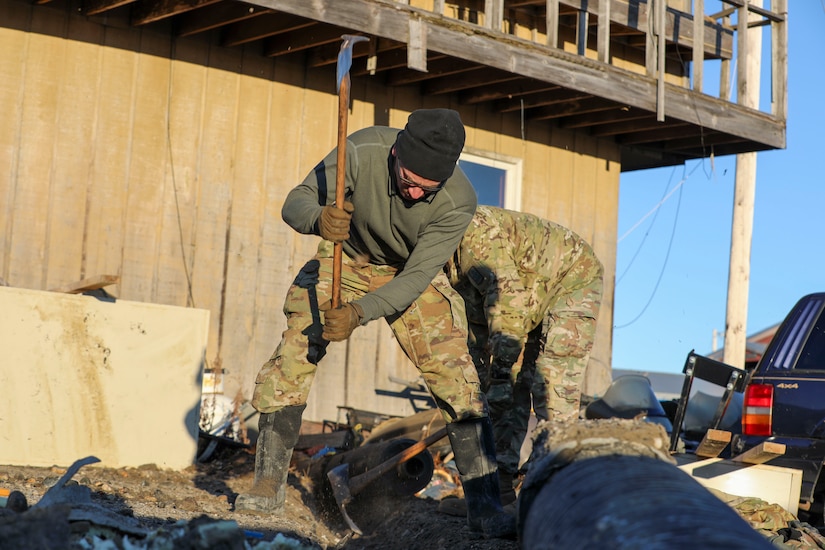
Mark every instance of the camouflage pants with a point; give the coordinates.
(547, 378)
(432, 332)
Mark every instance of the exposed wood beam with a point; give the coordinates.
(215, 16)
(310, 37)
(328, 54)
(620, 114)
(582, 105)
(708, 139)
(562, 109)
(436, 68)
(149, 12)
(392, 59)
(533, 101)
(96, 7)
(264, 26)
(481, 76)
(644, 123)
(518, 87)
(671, 130)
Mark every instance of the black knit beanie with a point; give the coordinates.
(430, 143)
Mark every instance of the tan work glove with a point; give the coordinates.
(334, 222)
(341, 321)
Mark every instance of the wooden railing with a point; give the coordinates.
(662, 23)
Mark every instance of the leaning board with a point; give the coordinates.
(773, 484)
(115, 379)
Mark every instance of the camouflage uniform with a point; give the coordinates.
(532, 290)
(432, 332)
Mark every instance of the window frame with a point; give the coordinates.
(511, 166)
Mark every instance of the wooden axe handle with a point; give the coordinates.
(359, 482)
(340, 175)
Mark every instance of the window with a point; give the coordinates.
(496, 179)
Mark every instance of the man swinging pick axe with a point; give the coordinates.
(405, 208)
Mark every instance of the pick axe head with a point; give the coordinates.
(339, 481)
(345, 57)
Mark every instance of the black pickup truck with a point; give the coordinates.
(784, 400)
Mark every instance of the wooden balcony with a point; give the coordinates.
(652, 77)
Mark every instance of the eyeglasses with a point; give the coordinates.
(409, 183)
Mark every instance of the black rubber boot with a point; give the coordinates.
(277, 435)
(474, 451)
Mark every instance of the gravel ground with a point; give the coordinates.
(159, 501)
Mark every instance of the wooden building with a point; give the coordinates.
(155, 140)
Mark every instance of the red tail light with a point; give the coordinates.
(756, 418)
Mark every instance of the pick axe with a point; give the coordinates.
(342, 86)
(345, 488)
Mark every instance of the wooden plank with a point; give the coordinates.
(73, 144)
(141, 240)
(28, 233)
(417, 45)
(698, 61)
(561, 186)
(277, 260)
(89, 283)
(216, 15)
(109, 171)
(779, 62)
(586, 173)
(218, 130)
(96, 7)
(304, 39)
(176, 215)
(13, 66)
(265, 25)
(248, 188)
(598, 377)
(149, 12)
(603, 33)
(762, 453)
(552, 23)
(713, 443)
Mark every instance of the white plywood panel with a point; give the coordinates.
(773, 484)
(117, 380)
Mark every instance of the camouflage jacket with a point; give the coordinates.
(508, 268)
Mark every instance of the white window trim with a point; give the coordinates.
(512, 167)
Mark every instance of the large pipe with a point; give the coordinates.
(630, 502)
(612, 484)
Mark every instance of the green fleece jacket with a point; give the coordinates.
(416, 237)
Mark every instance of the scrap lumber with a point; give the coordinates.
(762, 453)
(90, 283)
(713, 443)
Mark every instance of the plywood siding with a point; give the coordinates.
(166, 162)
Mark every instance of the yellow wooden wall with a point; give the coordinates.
(166, 163)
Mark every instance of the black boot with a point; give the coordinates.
(475, 457)
(277, 435)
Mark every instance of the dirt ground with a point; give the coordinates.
(156, 499)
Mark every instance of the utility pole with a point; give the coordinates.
(749, 45)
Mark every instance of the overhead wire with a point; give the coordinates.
(655, 211)
(679, 187)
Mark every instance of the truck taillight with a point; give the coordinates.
(756, 418)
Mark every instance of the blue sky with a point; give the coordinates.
(672, 261)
